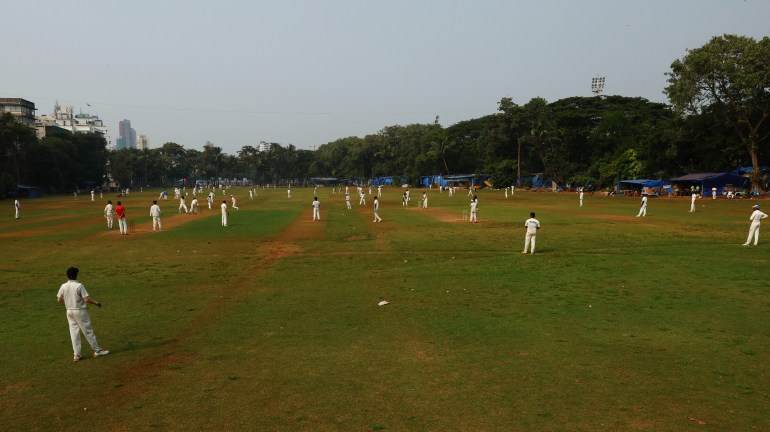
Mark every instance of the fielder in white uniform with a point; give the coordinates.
(347, 200)
(377, 217)
(224, 213)
(693, 196)
(755, 219)
(532, 226)
(232, 198)
(643, 208)
(182, 204)
(74, 296)
(581, 197)
(424, 200)
(474, 210)
(108, 214)
(316, 209)
(288, 192)
(194, 206)
(17, 207)
(155, 214)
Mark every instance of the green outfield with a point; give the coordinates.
(273, 324)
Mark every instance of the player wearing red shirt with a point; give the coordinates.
(121, 212)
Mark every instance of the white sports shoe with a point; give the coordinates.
(77, 358)
(101, 353)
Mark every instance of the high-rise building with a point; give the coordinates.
(22, 109)
(126, 135)
(142, 143)
(263, 147)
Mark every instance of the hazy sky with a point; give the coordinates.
(309, 72)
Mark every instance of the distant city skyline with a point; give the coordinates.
(126, 135)
(313, 72)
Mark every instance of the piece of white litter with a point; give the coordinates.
(382, 303)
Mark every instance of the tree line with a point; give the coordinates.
(717, 120)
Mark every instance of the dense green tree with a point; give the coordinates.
(15, 140)
(731, 75)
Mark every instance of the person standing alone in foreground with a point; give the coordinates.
(121, 212)
(643, 208)
(317, 209)
(74, 296)
(155, 213)
(224, 213)
(377, 217)
(755, 219)
(532, 226)
(693, 197)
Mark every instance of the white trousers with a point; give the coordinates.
(642, 211)
(753, 231)
(182, 206)
(80, 321)
(224, 219)
(425, 203)
(473, 217)
(348, 202)
(123, 225)
(530, 237)
(316, 214)
(109, 221)
(377, 217)
(156, 222)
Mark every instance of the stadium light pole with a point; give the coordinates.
(597, 85)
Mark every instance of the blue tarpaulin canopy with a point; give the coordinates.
(639, 184)
(707, 181)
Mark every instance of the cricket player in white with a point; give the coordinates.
(377, 217)
(532, 226)
(692, 202)
(17, 207)
(288, 192)
(316, 209)
(224, 213)
(347, 200)
(93, 195)
(182, 204)
(755, 219)
(474, 209)
(74, 296)
(232, 198)
(643, 208)
(424, 200)
(155, 213)
(581, 197)
(108, 214)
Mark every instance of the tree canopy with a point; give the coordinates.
(729, 76)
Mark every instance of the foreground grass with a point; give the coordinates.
(617, 323)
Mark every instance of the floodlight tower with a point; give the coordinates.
(597, 85)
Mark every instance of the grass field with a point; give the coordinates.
(616, 323)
